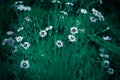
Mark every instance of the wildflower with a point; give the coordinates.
(98, 14)
(49, 28)
(27, 8)
(24, 64)
(4, 41)
(107, 38)
(110, 71)
(10, 41)
(63, 12)
(27, 19)
(14, 49)
(19, 38)
(42, 55)
(82, 30)
(59, 44)
(101, 2)
(71, 38)
(9, 33)
(104, 55)
(20, 7)
(83, 11)
(42, 33)
(25, 45)
(70, 4)
(18, 2)
(73, 30)
(102, 50)
(93, 19)
(106, 63)
(54, 1)
(20, 29)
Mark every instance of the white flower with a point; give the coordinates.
(25, 45)
(4, 41)
(24, 64)
(71, 38)
(20, 7)
(104, 55)
(49, 28)
(98, 14)
(82, 30)
(18, 2)
(93, 19)
(20, 29)
(19, 38)
(27, 19)
(42, 33)
(73, 30)
(110, 71)
(10, 41)
(101, 2)
(27, 8)
(107, 38)
(83, 11)
(68, 3)
(9, 33)
(63, 12)
(106, 63)
(59, 44)
(102, 50)
(54, 1)
(14, 49)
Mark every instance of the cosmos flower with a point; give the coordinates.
(25, 45)
(107, 38)
(110, 71)
(59, 43)
(24, 64)
(9, 33)
(93, 19)
(106, 63)
(19, 38)
(42, 33)
(20, 29)
(73, 30)
(71, 38)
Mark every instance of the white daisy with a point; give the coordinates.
(27, 8)
(24, 64)
(4, 41)
(110, 71)
(10, 41)
(73, 30)
(106, 63)
(18, 2)
(25, 45)
(59, 44)
(49, 28)
(19, 38)
(20, 7)
(27, 19)
(102, 50)
(14, 49)
(104, 56)
(42, 33)
(93, 19)
(71, 38)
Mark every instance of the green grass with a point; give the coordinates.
(74, 61)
